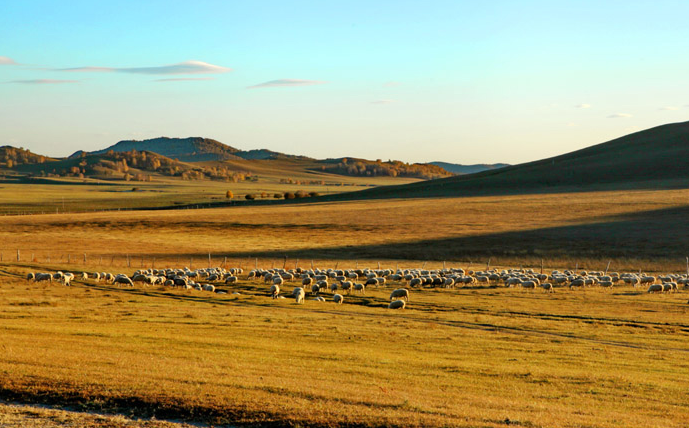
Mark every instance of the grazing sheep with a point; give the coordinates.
(123, 279)
(209, 287)
(415, 282)
(402, 293)
(231, 280)
(338, 298)
(278, 280)
(307, 281)
(654, 288)
(320, 299)
(84, 276)
(360, 288)
(315, 288)
(333, 287)
(299, 294)
(346, 286)
(547, 287)
(43, 277)
(397, 304)
(274, 291)
(529, 284)
(67, 278)
(30, 276)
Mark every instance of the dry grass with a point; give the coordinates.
(467, 357)
(636, 229)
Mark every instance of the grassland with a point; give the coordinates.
(79, 195)
(470, 357)
(482, 356)
(644, 230)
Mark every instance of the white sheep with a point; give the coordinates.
(338, 298)
(274, 291)
(397, 304)
(400, 293)
(298, 294)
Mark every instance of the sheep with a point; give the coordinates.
(397, 304)
(654, 288)
(209, 287)
(333, 287)
(123, 279)
(278, 280)
(415, 282)
(529, 284)
(319, 299)
(315, 289)
(67, 278)
(547, 287)
(274, 291)
(307, 281)
(30, 276)
(400, 293)
(298, 294)
(338, 298)
(669, 286)
(360, 288)
(346, 286)
(84, 276)
(231, 279)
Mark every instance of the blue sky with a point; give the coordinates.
(458, 81)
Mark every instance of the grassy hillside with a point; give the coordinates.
(646, 159)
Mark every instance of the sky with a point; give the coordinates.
(455, 81)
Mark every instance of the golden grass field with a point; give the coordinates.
(467, 357)
(473, 357)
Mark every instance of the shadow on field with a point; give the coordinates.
(662, 233)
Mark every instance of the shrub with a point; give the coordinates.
(278, 196)
(314, 194)
(229, 194)
(300, 194)
(250, 197)
(289, 195)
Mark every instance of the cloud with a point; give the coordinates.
(668, 108)
(44, 81)
(383, 101)
(5, 60)
(584, 105)
(619, 115)
(287, 82)
(179, 79)
(187, 67)
(391, 84)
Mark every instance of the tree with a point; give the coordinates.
(229, 194)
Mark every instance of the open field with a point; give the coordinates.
(76, 195)
(644, 230)
(476, 356)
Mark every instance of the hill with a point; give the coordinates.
(192, 149)
(460, 169)
(646, 159)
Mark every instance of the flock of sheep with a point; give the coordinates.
(344, 281)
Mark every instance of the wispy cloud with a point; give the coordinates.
(5, 60)
(391, 84)
(187, 67)
(584, 105)
(44, 81)
(181, 79)
(619, 115)
(287, 82)
(668, 108)
(383, 101)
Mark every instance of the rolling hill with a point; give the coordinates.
(656, 157)
(192, 149)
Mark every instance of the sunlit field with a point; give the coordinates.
(474, 356)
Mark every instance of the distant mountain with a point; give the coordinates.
(192, 149)
(460, 169)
